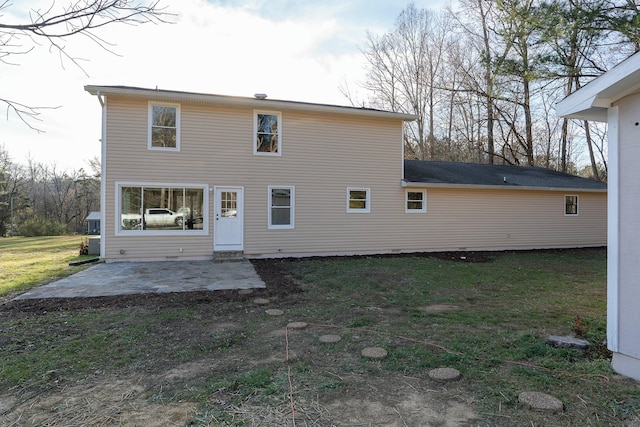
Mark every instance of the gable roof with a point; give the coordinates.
(592, 101)
(455, 174)
(257, 102)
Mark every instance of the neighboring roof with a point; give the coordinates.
(238, 101)
(93, 216)
(592, 101)
(453, 174)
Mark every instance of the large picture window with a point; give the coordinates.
(164, 127)
(267, 133)
(162, 208)
(281, 207)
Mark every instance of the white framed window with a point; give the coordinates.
(164, 127)
(570, 205)
(415, 201)
(161, 209)
(358, 200)
(281, 207)
(267, 135)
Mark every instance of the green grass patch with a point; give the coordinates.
(489, 320)
(500, 313)
(30, 261)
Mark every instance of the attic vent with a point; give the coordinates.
(260, 95)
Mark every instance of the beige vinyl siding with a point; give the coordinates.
(322, 155)
(318, 155)
(466, 219)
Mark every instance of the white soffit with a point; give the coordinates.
(593, 100)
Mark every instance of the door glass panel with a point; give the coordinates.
(229, 204)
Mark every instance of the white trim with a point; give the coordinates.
(242, 102)
(205, 209)
(577, 205)
(410, 184)
(278, 114)
(613, 231)
(406, 201)
(367, 208)
(292, 216)
(103, 181)
(152, 104)
(592, 101)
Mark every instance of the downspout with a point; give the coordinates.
(103, 175)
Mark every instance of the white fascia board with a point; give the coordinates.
(408, 184)
(242, 102)
(592, 101)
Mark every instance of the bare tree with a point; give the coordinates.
(58, 23)
(11, 181)
(405, 67)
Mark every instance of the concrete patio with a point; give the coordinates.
(125, 278)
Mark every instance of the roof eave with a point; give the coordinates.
(592, 101)
(414, 184)
(242, 102)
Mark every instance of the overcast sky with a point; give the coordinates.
(300, 50)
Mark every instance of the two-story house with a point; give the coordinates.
(186, 175)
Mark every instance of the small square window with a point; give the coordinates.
(358, 200)
(164, 127)
(281, 207)
(415, 201)
(571, 205)
(267, 133)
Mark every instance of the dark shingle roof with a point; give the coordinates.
(453, 173)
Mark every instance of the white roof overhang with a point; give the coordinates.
(239, 102)
(592, 101)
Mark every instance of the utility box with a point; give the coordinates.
(94, 245)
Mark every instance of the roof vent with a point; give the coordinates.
(260, 95)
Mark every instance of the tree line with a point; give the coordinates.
(483, 78)
(43, 199)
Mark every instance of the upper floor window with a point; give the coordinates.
(268, 138)
(415, 201)
(281, 207)
(571, 205)
(164, 127)
(358, 200)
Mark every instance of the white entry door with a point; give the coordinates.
(228, 223)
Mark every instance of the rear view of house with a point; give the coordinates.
(188, 175)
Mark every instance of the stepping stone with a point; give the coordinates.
(540, 401)
(297, 325)
(261, 301)
(375, 353)
(245, 291)
(330, 338)
(274, 312)
(568, 341)
(444, 374)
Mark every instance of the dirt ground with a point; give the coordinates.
(126, 399)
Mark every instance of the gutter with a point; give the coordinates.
(409, 184)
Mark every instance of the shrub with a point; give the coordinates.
(38, 226)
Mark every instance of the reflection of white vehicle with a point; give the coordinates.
(185, 212)
(154, 217)
(229, 213)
